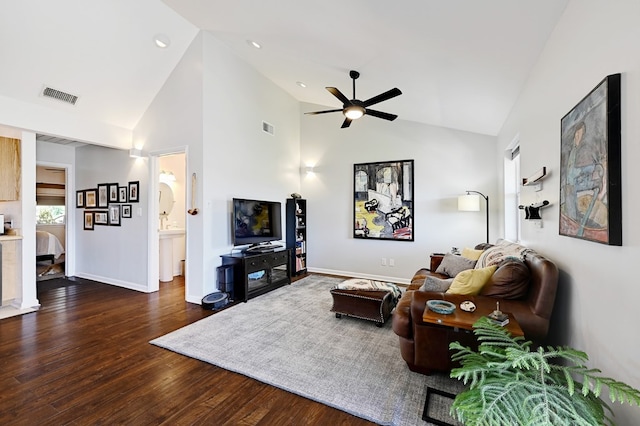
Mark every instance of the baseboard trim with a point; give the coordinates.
(106, 280)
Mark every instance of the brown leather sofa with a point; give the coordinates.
(425, 347)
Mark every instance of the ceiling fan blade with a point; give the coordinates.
(323, 112)
(346, 123)
(382, 97)
(338, 94)
(380, 114)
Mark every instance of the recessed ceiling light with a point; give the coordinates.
(254, 44)
(161, 40)
(301, 84)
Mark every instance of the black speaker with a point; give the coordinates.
(225, 279)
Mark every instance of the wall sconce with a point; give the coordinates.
(167, 177)
(135, 153)
(309, 169)
(470, 202)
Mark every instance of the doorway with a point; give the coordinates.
(172, 189)
(52, 212)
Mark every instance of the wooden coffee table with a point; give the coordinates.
(465, 320)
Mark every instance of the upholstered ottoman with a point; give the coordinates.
(365, 299)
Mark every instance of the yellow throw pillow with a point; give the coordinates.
(471, 254)
(471, 281)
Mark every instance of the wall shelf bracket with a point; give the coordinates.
(535, 180)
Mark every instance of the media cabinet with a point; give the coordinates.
(258, 273)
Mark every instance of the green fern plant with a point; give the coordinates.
(510, 384)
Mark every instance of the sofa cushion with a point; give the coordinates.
(510, 281)
(436, 284)
(471, 281)
(452, 265)
(470, 253)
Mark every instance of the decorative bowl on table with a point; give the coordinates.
(441, 306)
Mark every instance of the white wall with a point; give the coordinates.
(112, 254)
(174, 121)
(447, 162)
(240, 160)
(36, 118)
(214, 104)
(597, 295)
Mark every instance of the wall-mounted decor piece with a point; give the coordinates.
(79, 199)
(88, 221)
(114, 215)
(113, 192)
(90, 198)
(590, 175)
(103, 195)
(101, 217)
(532, 212)
(122, 194)
(134, 191)
(126, 210)
(383, 200)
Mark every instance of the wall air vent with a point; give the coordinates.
(48, 92)
(268, 128)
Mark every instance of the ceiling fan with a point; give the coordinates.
(355, 108)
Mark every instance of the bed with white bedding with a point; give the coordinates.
(48, 246)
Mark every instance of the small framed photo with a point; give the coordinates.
(113, 193)
(101, 217)
(134, 191)
(88, 221)
(103, 195)
(114, 215)
(126, 210)
(90, 199)
(79, 199)
(122, 194)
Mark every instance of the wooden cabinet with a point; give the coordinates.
(297, 234)
(257, 273)
(9, 169)
(10, 268)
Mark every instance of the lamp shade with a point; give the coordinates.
(469, 203)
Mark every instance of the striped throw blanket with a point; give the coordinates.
(363, 284)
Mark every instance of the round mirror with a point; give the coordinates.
(166, 199)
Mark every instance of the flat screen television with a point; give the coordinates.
(256, 222)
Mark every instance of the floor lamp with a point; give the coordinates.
(470, 202)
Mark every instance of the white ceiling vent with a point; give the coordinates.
(268, 128)
(49, 92)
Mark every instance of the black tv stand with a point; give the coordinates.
(256, 273)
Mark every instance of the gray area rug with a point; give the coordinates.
(288, 338)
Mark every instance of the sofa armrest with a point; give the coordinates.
(435, 261)
(401, 320)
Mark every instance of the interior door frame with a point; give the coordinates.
(153, 243)
(70, 217)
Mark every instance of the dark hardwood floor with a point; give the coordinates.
(85, 359)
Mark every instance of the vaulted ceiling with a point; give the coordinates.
(459, 63)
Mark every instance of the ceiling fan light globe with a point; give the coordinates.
(353, 112)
